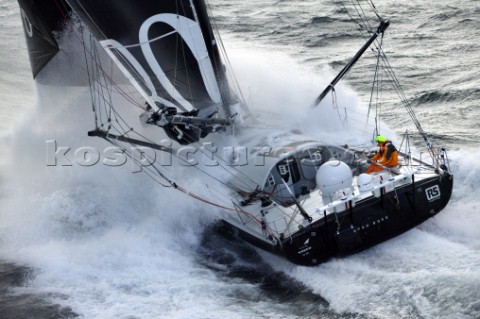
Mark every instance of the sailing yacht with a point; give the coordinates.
(298, 197)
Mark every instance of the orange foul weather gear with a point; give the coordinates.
(387, 156)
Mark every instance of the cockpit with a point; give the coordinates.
(295, 175)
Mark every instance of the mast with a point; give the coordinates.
(381, 28)
(214, 53)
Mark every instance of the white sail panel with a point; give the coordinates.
(190, 32)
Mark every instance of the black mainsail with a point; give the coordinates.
(40, 20)
(165, 48)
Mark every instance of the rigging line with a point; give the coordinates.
(129, 153)
(291, 217)
(183, 51)
(110, 93)
(364, 15)
(144, 169)
(103, 86)
(199, 148)
(119, 118)
(342, 7)
(375, 84)
(98, 79)
(185, 191)
(175, 68)
(115, 113)
(121, 91)
(335, 105)
(392, 75)
(62, 9)
(104, 73)
(300, 208)
(82, 41)
(370, 2)
(362, 121)
(90, 83)
(185, 64)
(363, 29)
(227, 60)
(396, 83)
(100, 99)
(379, 99)
(125, 131)
(366, 25)
(134, 103)
(212, 191)
(195, 166)
(91, 19)
(220, 206)
(408, 106)
(110, 104)
(186, 161)
(360, 124)
(232, 168)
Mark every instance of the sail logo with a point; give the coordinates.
(189, 30)
(433, 193)
(27, 24)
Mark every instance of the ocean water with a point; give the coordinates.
(105, 243)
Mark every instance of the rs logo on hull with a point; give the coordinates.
(433, 193)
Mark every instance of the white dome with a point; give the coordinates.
(365, 182)
(332, 176)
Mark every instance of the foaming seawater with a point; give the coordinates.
(23, 305)
(414, 275)
(236, 261)
(96, 237)
(100, 243)
(460, 220)
(431, 271)
(105, 243)
(422, 273)
(281, 92)
(100, 238)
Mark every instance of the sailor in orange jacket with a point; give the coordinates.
(387, 156)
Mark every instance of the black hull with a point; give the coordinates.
(368, 223)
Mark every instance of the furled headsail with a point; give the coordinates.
(165, 48)
(40, 20)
